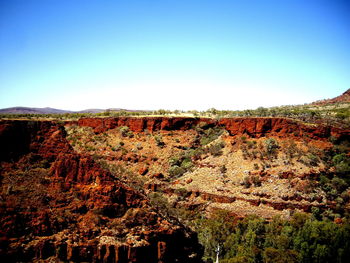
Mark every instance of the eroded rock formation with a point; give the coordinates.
(254, 127)
(60, 205)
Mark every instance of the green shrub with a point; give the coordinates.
(209, 135)
(176, 171)
(195, 153)
(256, 180)
(341, 163)
(256, 166)
(339, 184)
(271, 147)
(124, 130)
(186, 164)
(216, 149)
(159, 140)
(313, 159)
(182, 193)
(251, 144)
(174, 161)
(89, 148)
(159, 201)
(247, 182)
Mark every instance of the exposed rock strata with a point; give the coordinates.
(78, 199)
(254, 127)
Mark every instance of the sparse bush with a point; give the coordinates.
(182, 193)
(256, 166)
(250, 180)
(251, 144)
(290, 149)
(174, 161)
(271, 147)
(223, 169)
(176, 171)
(216, 149)
(256, 180)
(186, 163)
(159, 140)
(89, 148)
(247, 182)
(124, 130)
(313, 160)
(196, 153)
(339, 184)
(209, 135)
(245, 152)
(160, 202)
(342, 163)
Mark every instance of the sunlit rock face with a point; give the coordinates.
(254, 127)
(60, 205)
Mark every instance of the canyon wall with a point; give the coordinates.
(73, 210)
(253, 127)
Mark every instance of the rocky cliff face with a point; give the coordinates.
(141, 124)
(253, 127)
(60, 205)
(45, 138)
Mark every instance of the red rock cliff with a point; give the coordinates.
(41, 137)
(141, 124)
(72, 210)
(254, 127)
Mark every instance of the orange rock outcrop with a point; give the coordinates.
(253, 126)
(78, 201)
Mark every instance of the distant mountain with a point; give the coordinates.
(47, 110)
(345, 97)
(27, 110)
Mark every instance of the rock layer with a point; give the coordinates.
(254, 127)
(73, 210)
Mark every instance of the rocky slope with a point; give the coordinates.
(57, 204)
(219, 180)
(344, 98)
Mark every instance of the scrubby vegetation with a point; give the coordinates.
(303, 238)
(334, 113)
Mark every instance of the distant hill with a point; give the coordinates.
(344, 98)
(47, 110)
(27, 110)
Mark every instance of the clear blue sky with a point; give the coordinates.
(179, 54)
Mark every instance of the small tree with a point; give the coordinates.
(271, 147)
